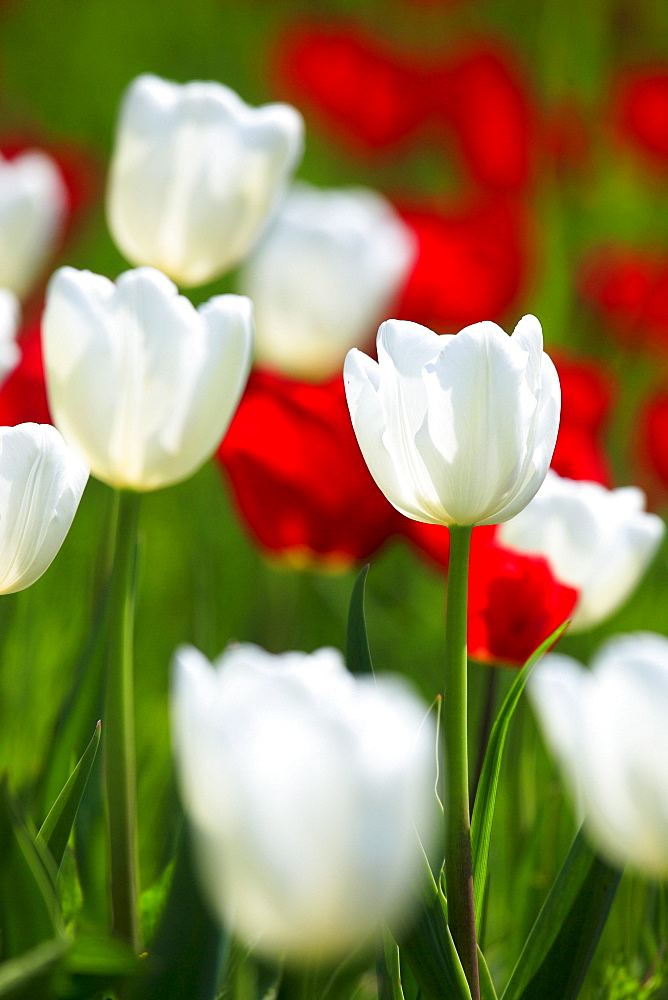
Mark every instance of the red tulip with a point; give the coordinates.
(515, 603)
(642, 112)
(364, 94)
(470, 266)
(629, 289)
(654, 435)
(587, 392)
(23, 394)
(488, 108)
(297, 475)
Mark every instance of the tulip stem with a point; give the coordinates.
(118, 726)
(458, 870)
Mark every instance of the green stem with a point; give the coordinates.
(118, 725)
(458, 871)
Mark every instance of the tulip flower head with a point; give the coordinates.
(456, 429)
(323, 276)
(41, 482)
(10, 352)
(194, 173)
(608, 728)
(140, 382)
(597, 540)
(33, 203)
(306, 788)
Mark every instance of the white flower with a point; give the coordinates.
(41, 482)
(456, 429)
(139, 381)
(305, 787)
(597, 540)
(323, 276)
(194, 173)
(608, 728)
(10, 315)
(33, 202)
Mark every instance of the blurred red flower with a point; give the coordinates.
(629, 290)
(470, 266)
(368, 96)
(23, 394)
(587, 393)
(515, 603)
(641, 111)
(297, 475)
(487, 106)
(654, 435)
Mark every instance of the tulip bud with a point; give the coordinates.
(323, 276)
(10, 352)
(597, 540)
(42, 482)
(140, 382)
(194, 173)
(608, 728)
(306, 788)
(33, 202)
(456, 429)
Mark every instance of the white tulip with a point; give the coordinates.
(456, 429)
(41, 482)
(194, 173)
(306, 788)
(33, 202)
(10, 315)
(597, 540)
(608, 728)
(140, 382)
(323, 276)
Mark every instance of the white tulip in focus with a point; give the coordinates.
(41, 482)
(306, 788)
(33, 202)
(456, 429)
(608, 728)
(140, 382)
(323, 276)
(597, 540)
(10, 315)
(194, 173)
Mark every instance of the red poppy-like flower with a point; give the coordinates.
(587, 393)
(23, 394)
(470, 266)
(488, 109)
(641, 111)
(515, 603)
(629, 290)
(654, 435)
(297, 475)
(366, 95)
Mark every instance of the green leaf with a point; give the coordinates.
(358, 657)
(56, 828)
(23, 976)
(485, 800)
(388, 968)
(557, 953)
(29, 911)
(487, 991)
(429, 950)
(95, 963)
(184, 960)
